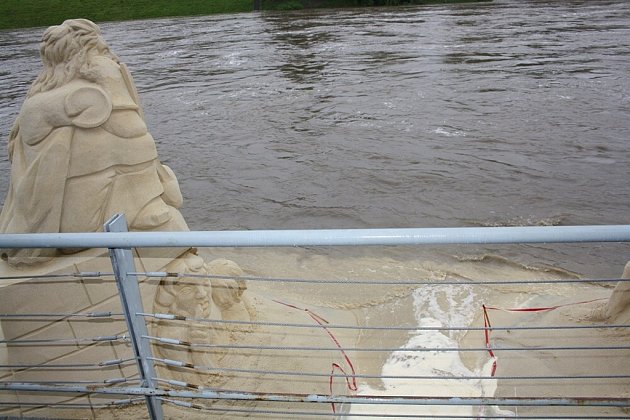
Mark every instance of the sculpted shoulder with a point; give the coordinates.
(126, 119)
(113, 78)
(78, 103)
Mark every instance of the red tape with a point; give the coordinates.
(351, 380)
(488, 327)
(540, 309)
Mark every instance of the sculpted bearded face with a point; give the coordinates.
(190, 297)
(199, 297)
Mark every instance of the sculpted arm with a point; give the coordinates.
(88, 107)
(75, 104)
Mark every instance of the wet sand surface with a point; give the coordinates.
(429, 305)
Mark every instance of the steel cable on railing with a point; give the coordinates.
(211, 394)
(70, 276)
(173, 341)
(403, 377)
(115, 403)
(181, 364)
(416, 401)
(111, 381)
(78, 366)
(171, 317)
(63, 315)
(194, 276)
(64, 341)
(294, 413)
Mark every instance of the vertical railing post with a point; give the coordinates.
(131, 301)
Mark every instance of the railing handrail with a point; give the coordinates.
(322, 237)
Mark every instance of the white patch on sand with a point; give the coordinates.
(437, 306)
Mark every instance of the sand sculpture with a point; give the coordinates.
(81, 152)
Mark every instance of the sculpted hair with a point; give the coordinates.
(66, 51)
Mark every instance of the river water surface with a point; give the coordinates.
(492, 114)
(501, 113)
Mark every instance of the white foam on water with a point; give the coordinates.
(437, 306)
(449, 133)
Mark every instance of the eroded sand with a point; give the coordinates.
(406, 305)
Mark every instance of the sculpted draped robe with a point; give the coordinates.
(80, 153)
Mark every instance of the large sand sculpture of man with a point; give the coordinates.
(80, 150)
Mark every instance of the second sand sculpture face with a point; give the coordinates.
(81, 152)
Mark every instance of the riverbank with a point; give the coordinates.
(33, 13)
(314, 4)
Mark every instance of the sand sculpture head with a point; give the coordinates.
(66, 51)
(188, 297)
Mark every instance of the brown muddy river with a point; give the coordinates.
(492, 114)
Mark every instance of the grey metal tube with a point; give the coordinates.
(317, 398)
(323, 237)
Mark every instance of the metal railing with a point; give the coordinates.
(147, 386)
